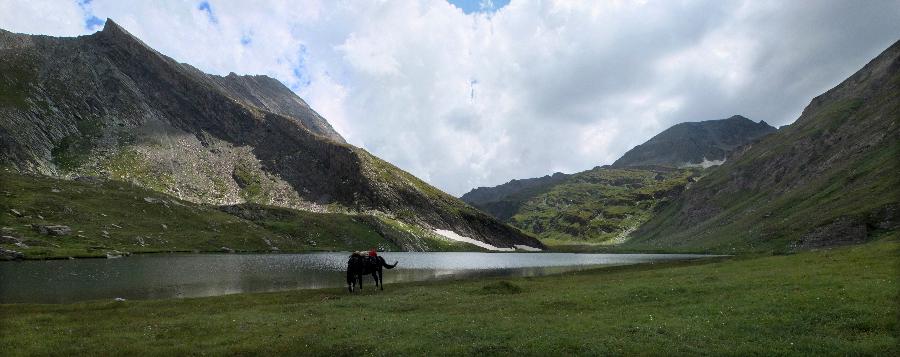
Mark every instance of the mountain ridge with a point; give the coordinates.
(693, 143)
(142, 117)
(827, 179)
(590, 206)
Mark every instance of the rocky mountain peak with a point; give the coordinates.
(695, 142)
(108, 105)
(114, 34)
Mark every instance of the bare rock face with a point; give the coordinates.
(843, 231)
(696, 143)
(108, 106)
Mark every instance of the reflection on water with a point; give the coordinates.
(192, 275)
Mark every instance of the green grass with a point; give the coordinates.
(838, 162)
(315, 231)
(121, 210)
(599, 205)
(830, 302)
(139, 220)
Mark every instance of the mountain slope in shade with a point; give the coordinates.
(108, 105)
(829, 178)
(695, 143)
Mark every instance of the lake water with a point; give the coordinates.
(154, 276)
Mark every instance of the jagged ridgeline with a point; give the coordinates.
(829, 178)
(107, 105)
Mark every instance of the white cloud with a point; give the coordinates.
(465, 100)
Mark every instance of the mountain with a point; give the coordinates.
(503, 201)
(704, 143)
(829, 178)
(107, 105)
(607, 203)
(111, 216)
(601, 205)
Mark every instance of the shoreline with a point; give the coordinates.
(716, 307)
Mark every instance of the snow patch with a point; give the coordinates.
(527, 248)
(706, 163)
(454, 236)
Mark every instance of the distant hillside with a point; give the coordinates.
(829, 178)
(108, 105)
(695, 143)
(503, 201)
(588, 206)
(601, 205)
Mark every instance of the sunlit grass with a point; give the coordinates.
(840, 301)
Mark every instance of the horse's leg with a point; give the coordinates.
(359, 279)
(349, 281)
(381, 279)
(375, 277)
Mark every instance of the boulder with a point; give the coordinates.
(15, 212)
(6, 254)
(53, 230)
(8, 240)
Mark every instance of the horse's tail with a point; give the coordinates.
(386, 265)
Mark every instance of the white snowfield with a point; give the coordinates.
(527, 248)
(454, 236)
(706, 163)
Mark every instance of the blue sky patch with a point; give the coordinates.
(91, 22)
(300, 71)
(487, 6)
(207, 8)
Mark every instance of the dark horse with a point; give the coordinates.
(360, 265)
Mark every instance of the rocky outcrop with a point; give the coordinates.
(53, 230)
(6, 254)
(844, 230)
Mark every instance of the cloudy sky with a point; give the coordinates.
(473, 93)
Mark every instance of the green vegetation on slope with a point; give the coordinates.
(828, 179)
(338, 231)
(828, 302)
(602, 205)
(108, 216)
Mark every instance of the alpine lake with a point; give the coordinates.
(161, 276)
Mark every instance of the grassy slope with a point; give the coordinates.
(121, 210)
(598, 205)
(847, 175)
(338, 231)
(841, 301)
